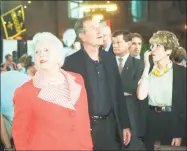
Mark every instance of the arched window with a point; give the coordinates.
(138, 9)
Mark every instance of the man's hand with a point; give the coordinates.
(176, 142)
(126, 136)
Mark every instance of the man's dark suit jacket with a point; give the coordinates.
(76, 63)
(130, 75)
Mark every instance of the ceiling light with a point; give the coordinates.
(98, 17)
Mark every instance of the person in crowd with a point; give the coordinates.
(9, 65)
(130, 70)
(21, 65)
(179, 56)
(136, 45)
(9, 82)
(107, 107)
(30, 66)
(51, 110)
(107, 39)
(69, 38)
(15, 56)
(164, 83)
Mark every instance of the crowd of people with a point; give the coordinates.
(104, 95)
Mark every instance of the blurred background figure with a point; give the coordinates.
(107, 39)
(136, 45)
(15, 57)
(9, 82)
(30, 66)
(179, 57)
(69, 38)
(21, 64)
(9, 65)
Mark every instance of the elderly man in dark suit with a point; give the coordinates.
(107, 106)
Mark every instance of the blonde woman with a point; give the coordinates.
(164, 84)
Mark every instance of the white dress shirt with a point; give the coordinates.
(137, 57)
(124, 59)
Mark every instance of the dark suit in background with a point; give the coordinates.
(131, 74)
(77, 63)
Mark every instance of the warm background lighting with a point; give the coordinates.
(108, 7)
(98, 18)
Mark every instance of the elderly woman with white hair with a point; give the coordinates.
(51, 110)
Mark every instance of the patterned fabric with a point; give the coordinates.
(64, 92)
(120, 64)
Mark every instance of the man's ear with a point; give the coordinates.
(81, 36)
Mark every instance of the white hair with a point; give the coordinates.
(106, 30)
(69, 37)
(47, 36)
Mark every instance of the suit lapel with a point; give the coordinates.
(127, 69)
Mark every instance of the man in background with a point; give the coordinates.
(107, 39)
(136, 45)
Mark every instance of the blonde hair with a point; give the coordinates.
(165, 38)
